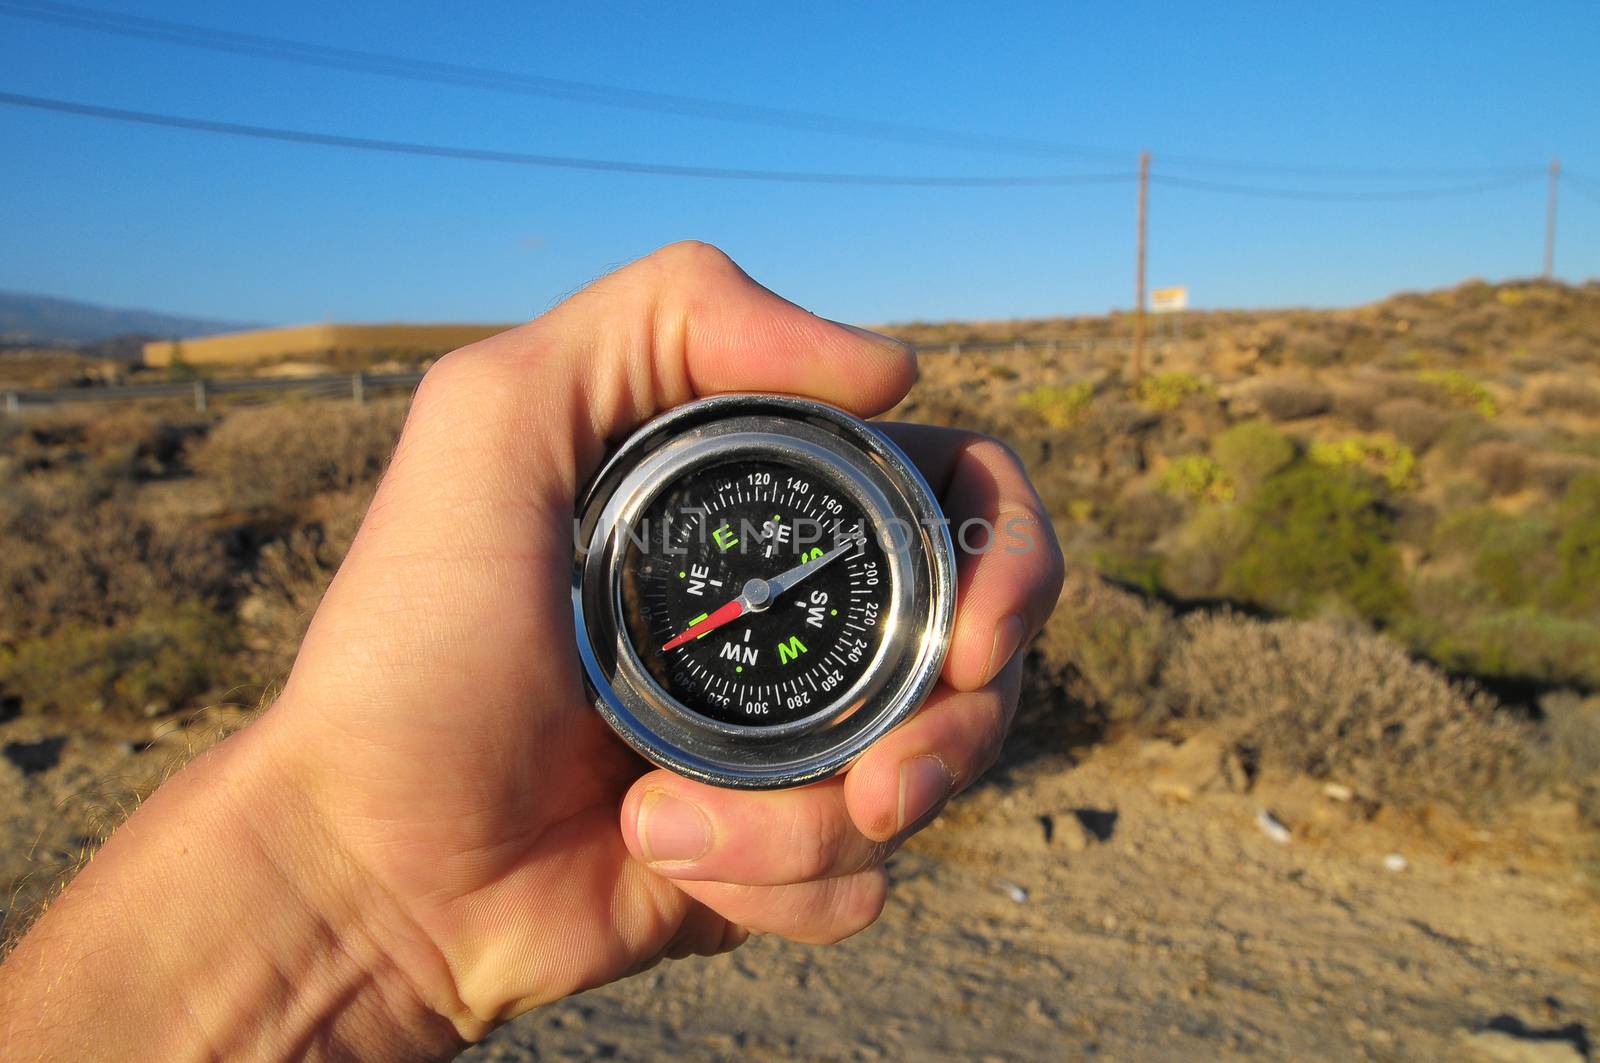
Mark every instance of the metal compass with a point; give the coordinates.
(763, 586)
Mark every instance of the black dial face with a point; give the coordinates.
(755, 592)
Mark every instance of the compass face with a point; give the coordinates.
(763, 586)
(756, 593)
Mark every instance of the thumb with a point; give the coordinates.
(682, 323)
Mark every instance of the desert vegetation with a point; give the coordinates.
(1361, 545)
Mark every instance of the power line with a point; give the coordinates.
(1584, 186)
(384, 64)
(566, 162)
(1318, 195)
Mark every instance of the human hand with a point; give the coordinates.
(452, 791)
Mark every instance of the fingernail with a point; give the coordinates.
(875, 337)
(1007, 640)
(672, 830)
(924, 782)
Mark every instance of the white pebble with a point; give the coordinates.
(1014, 891)
(1272, 828)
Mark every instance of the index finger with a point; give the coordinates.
(1009, 565)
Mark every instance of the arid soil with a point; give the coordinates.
(1119, 901)
(1140, 926)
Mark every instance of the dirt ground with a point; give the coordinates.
(1146, 927)
(1112, 902)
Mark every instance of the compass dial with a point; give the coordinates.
(763, 586)
(755, 592)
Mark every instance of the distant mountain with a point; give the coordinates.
(45, 320)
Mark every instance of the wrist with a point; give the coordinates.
(221, 921)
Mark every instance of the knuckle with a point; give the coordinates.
(988, 448)
(455, 378)
(692, 259)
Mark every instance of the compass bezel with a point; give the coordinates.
(849, 455)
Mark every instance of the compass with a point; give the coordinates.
(763, 586)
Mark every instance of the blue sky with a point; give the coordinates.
(244, 230)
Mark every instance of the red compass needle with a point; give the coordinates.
(732, 611)
(758, 593)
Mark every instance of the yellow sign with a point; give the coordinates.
(1168, 300)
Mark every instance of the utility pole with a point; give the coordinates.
(1550, 221)
(1138, 295)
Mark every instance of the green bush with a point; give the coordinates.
(156, 660)
(1578, 585)
(1462, 389)
(1392, 461)
(1197, 477)
(1167, 391)
(1514, 643)
(1061, 407)
(1507, 555)
(1317, 532)
(1251, 451)
(1203, 550)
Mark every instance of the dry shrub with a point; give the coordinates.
(80, 550)
(1114, 641)
(276, 456)
(1412, 421)
(1567, 396)
(1141, 513)
(1336, 702)
(1313, 349)
(1554, 473)
(1356, 399)
(288, 582)
(1569, 737)
(1502, 466)
(1290, 399)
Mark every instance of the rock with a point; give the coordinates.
(1273, 828)
(1071, 834)
(1198, 765)
(1017, 893)
(1395, 862)
(1498, 1046)
(1235, 775)
(1338, 791)
(31, 758)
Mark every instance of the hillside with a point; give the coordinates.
(1307, 760)
(46, 321)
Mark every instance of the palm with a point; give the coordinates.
(491, 782)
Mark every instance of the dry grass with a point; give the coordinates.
(279, 456)
(154, 564)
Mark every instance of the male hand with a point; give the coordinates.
(434, 774)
